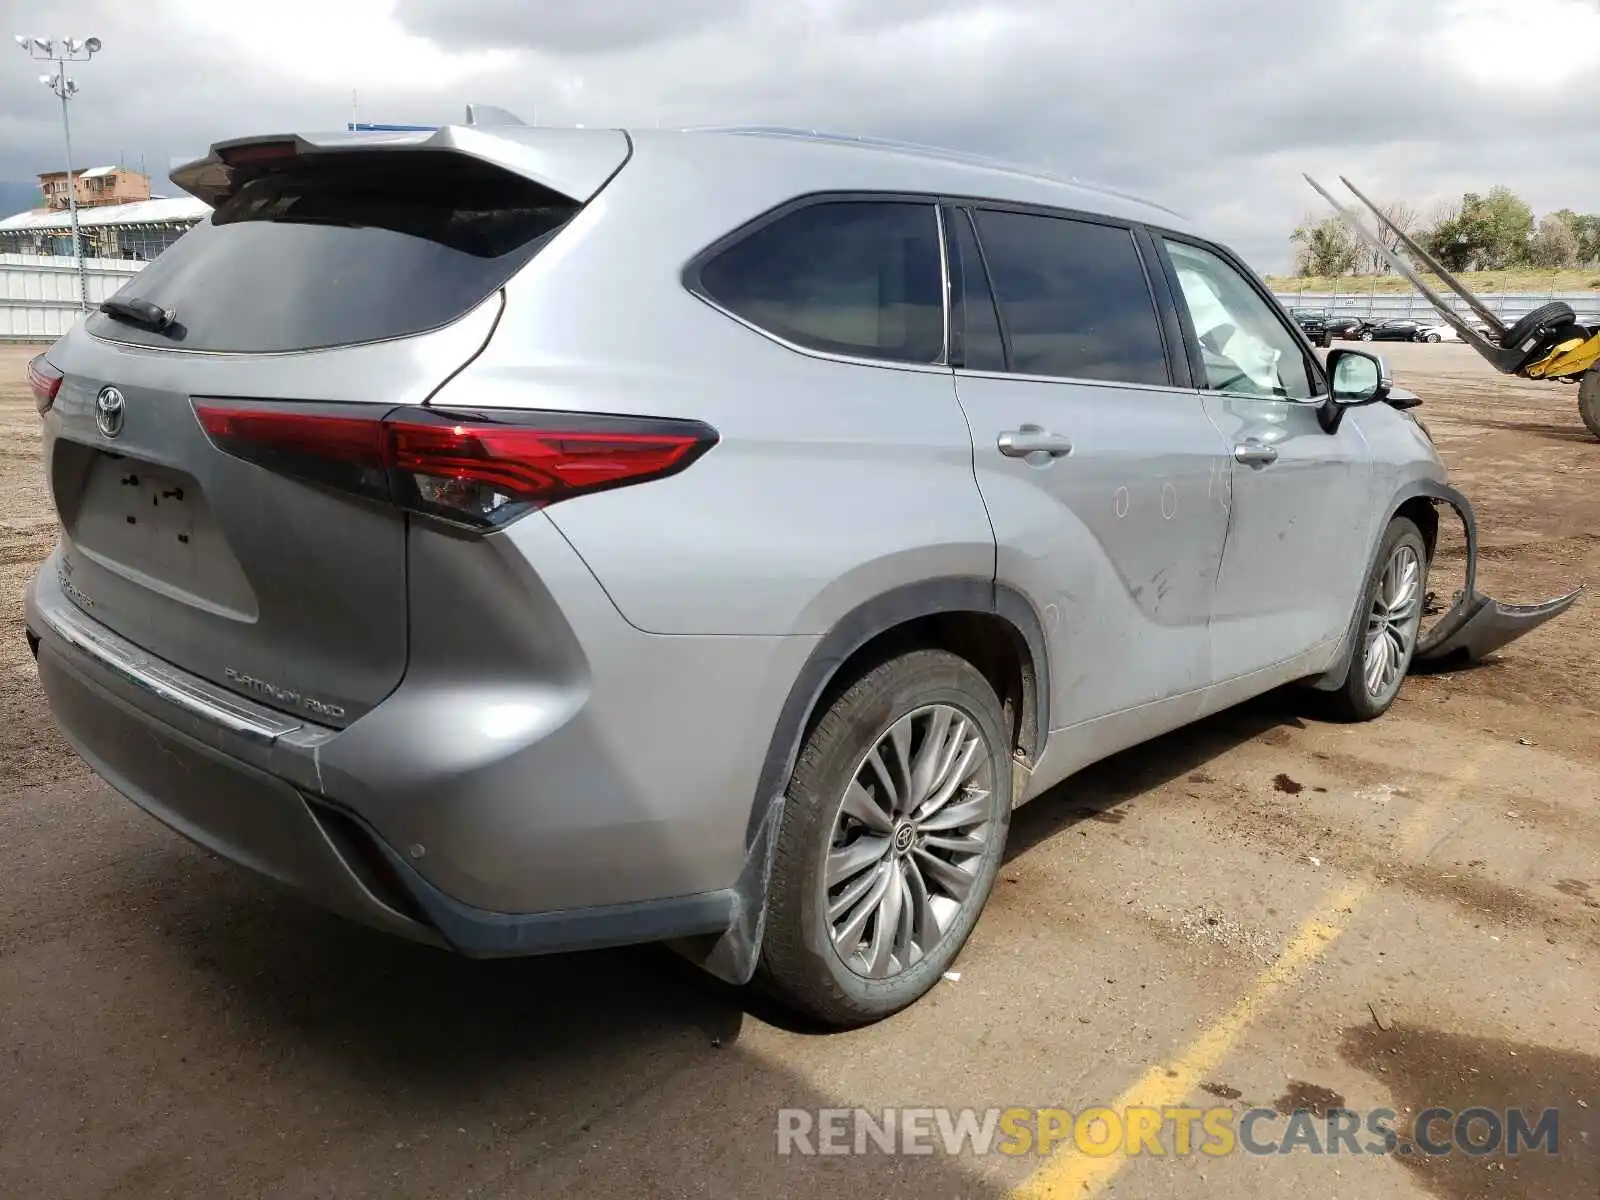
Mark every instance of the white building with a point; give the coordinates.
(138, 231)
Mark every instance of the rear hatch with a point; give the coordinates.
(332, 285)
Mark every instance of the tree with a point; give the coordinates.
(1404, 217)
(1487, 233)
(1455, 240)
(1586, 229)
(1325, 247)
(1555, 245)
(1508, 224)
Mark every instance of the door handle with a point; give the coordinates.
(1255, 454)
(1032, 439)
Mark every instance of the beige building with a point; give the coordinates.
(96, 186)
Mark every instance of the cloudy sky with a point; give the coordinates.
(1213, 107)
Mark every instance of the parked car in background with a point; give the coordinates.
(1397, 329)
(1440, 333)
(1347, 329)
(1313, 324)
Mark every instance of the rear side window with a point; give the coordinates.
(1074, 297)
(347, 249)
(861, 278)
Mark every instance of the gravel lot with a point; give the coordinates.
(1216, 917)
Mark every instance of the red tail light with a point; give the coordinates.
(44, 381)
(477, 469)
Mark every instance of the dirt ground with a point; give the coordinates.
(1261, 910)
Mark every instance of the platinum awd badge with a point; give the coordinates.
(282, 695)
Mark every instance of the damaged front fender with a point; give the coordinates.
(1478, 625)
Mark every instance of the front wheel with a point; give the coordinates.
(1392, 603)
(892, 833)
(1589, 400)
(1366, 335)
(1434, 338)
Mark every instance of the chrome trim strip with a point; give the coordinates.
(1114, 384)
(944, 277)
(177, 687)
(1118, 385)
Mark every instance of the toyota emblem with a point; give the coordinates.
(108, 411)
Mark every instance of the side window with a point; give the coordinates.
(1074, 298)
(982, 348)
(1246, 346)
(846, 277)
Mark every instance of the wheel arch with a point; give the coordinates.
(943, 607)
(959, 614)
(1417, 500)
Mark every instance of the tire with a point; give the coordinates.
(1366, 335)
(1434, 339)
(1357, 699)
(799, 962)
(1589, 400)
(1556, 312)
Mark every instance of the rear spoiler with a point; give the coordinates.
(573, 162)
(1510, 350)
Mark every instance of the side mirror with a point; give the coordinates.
(1358, 378)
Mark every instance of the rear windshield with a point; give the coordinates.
(353, 249)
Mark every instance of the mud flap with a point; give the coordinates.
(732, 955)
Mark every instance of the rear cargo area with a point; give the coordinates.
(336, 280)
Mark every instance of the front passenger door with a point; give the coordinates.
(1298, 528)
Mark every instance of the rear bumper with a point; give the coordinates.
(245, 785)
(221, 803)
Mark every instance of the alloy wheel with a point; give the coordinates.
(1393, 621)
(908, 842)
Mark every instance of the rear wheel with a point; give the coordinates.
(1589, 400)
(1392, 606)
(895, 821)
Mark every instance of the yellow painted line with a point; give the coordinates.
(1070, 1175)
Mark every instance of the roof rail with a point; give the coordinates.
(941, 152)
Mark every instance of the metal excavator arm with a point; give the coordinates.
(1548, 343)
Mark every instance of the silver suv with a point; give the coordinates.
(525, 539)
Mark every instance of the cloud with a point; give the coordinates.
(1212, 109)
(585, 27)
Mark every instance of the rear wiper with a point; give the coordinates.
(143, 313)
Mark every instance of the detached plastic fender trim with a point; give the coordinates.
(1480, 625)
(1476, 625)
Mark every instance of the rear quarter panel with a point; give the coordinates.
(832, 481)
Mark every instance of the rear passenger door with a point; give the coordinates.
(1103, 476)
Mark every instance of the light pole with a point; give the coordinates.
(59, 52)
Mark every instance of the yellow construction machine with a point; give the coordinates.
(1548, 343)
